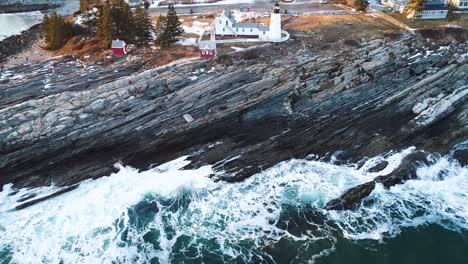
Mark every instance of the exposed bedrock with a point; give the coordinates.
(62, 122)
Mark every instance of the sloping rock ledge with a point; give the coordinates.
(61, 123)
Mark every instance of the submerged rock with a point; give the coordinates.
(406, 171)
(351, 197)
(379, 166)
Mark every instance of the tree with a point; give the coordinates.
(143, 27)
(56, 31)
(162, 37)
(168, 28)
(361, 5)
(413, 7)
(146, 4)
(104, 22)
(122, 21)
(173, 27)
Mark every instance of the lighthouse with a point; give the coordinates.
(275, 23)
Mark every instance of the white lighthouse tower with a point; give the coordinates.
(275, 23)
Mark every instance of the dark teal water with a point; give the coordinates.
(172, 216)
(424, 245)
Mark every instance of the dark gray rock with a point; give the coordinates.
(406, 170)
(351, 197)
(461, 155)
(379, 167)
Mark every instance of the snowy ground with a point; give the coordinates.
(187, 41)
(197, 28)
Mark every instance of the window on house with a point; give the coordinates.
(243, 30)
(226, 22)
(263, 32)
(251, 30)
(223, 29)
(220, 22)
(237, 29)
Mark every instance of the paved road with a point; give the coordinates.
(294, 8)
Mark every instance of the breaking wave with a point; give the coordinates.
(168, 215)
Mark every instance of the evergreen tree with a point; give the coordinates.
(142, 27)
(122, 21)
(104, 24)
(56, 31)
(162, 37)
(173, 27)
(361, 5)
(45, 28)
(146, 4)
(413, 7)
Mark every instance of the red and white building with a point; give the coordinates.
(226, 27)
(118, 47)
(207, 49)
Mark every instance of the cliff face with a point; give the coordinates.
(61, 123)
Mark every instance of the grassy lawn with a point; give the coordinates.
(334, 27)
(452, 19)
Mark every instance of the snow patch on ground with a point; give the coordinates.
(187, 41)
(196, 28)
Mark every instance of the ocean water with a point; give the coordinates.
(168, 215)
(14, 23)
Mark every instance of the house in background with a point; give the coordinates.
(460, 4)
(118, 47)
(207, 49)
(397, 5)
(134, 3)
(433, 10)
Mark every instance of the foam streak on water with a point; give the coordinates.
(167, 215)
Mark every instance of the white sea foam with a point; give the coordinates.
(437, 196)
(86, 225)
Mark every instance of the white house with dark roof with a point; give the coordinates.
(227, 27)
(460, 4)
(432, 10)
(133, 3)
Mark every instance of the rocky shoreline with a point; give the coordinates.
(62, 122)
(15, 44)
(19, 8)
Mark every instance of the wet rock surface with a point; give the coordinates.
(62, 121)
(405, 171)
(351, 197)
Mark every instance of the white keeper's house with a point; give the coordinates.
(226, 27)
